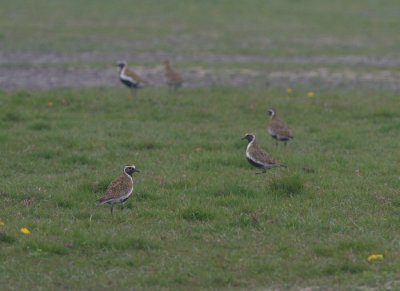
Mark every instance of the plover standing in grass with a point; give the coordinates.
(130, 78)
(257, 157)
(174, 79)
(120, 189)
(278, 129)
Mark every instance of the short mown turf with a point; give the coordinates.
(200, 217)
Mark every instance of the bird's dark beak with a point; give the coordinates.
(243, 137)
(137, 171)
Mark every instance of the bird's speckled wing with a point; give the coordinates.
(279, 127)
(118, 188)
(134, 76)
(261, 156)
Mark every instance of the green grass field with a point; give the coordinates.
(200, 217)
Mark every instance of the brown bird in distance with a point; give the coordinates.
(257, 157)
(129, 78)
(278, 129)
(174, 79)
(120, 189)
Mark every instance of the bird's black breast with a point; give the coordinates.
(129, 83)
(255, 164)
(123, 200)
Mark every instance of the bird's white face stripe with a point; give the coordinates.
(133, 166)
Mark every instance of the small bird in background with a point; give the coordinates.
(174, 79)
(278, 129)
(257, 157)
(130, 78)
(120, 189)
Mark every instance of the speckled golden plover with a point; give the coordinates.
(174, 79)
(129, 78)
(257, 157)
(120, 189)
(278, 129)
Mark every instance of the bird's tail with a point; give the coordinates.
(101, 201)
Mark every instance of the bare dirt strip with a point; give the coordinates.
(28, 70)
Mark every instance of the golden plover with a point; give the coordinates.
(278, 129)
(129, 78)
(257, 157)
(174, 79)
(120, 189)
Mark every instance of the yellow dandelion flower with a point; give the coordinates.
(1, 223)
(311, 94)
(50, 104)
(25, 230)
(289, 90)
(375, 257)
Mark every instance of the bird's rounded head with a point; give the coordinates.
(121, 64)
(129, 170)
(271, 112)
(249, 137)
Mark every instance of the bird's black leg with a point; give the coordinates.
(111, 209)
(276, 143)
